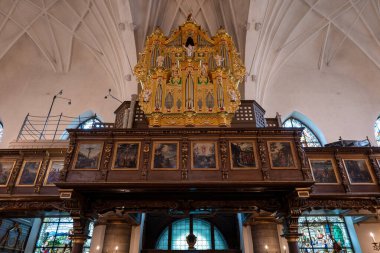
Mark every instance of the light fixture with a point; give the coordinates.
(112, 96)
(56, 96)
(98, 248)
(375, 245)
(284, 248)
(116, 249)
(266, 248)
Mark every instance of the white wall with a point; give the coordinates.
(342, 99)
(28, 84)
(365, 241)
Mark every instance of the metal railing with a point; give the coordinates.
(54, 127)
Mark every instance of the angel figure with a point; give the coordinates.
(218, 59)
(233, 95)
(189, 50)
(160, 61)
(146, 95)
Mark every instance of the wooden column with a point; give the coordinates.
(80, 234)
(291, 230)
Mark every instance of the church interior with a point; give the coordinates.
(179, 126)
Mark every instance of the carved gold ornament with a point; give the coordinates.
(189, 79)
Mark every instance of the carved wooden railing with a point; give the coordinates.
(354, 172)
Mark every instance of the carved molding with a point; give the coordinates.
(41, 173)
(303, 204)
(107, 153)
(223, 145)
(145, 168)
(342, 173)
(263, 159)
(185, 156)
(69, 156)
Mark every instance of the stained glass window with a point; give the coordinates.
(54, 236)
(89, 123)
(308, 138)
(377, 131)
(320, 232)
(201, 229)
(1, 131)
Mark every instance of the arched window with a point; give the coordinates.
(1, 131)
(377, 131)
(89, 123)
(318, 234)
(308, 138)
(203, 230)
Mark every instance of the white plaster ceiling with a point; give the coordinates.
(266, 32)
(288, 25)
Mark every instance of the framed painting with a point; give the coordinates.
(165, 155)
(6, 167)
(242, 155)
(204, 155)
(281, 155)
(52, 174)
(29, 172)
(126, 156)
(358, 171)
(324, 171)
(88, 156)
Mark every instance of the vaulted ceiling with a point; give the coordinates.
(266, 32)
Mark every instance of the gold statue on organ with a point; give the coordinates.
(188, 78)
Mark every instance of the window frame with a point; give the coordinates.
(305, 143)
(212, 231)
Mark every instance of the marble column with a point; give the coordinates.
(265, 236)
(117, 237)
(98, 236)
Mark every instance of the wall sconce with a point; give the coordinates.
(284, 248)
(375, 245)
(98, 248)
(266, 248)
(116, 249)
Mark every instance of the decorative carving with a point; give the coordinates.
(106, 160)
(41, 173)
(263, 159)
(223, 144)
(305, 168)
(185, 152)
(19, 205)
(291, 225)
(144, 171)
(375, 166)
(342, 173)
(356, 204)
(69, 156)
(177, 70)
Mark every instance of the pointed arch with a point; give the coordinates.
(312, 136)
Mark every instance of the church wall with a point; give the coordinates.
(341, 99)
(28, 84)
(362, 230)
